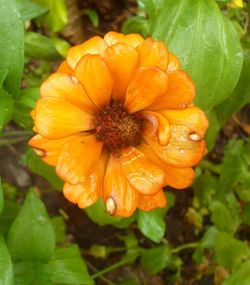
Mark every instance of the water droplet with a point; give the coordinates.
(110, 206)
(183, 105)
(194, 137)
(182, 151)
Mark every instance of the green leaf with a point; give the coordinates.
(30, 10)
(152, 224)
(156, 258)
(6, 109)
(23, 106)
(59, 228)
(132, 252)
(61, 45)
(240, 276)
(8, 216)
(1, 197)
(213, 130)
(229, 252)
(40, 47)
(6, 272)
(246, 214)
(36, 165)
(241, 94)
(68, 267)
(11, 45)
(32, 236)
(206, 43)
(136, 24)
(93, 16)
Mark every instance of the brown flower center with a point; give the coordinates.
(118, 129)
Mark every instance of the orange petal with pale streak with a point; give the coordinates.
(143, 175)
(122, 61)
(146, 86)
(180, 93)
(47, 149)
(95, 45)
(78, 157)
(163, 129)
(153, 53)
(68, 87)
(87, 193)
(65, 68)
(56, 118)
(112, 38)
(173, 63)
(96, 79)
(116, 187)
(150, 202)
(178, 178)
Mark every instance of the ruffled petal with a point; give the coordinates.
(153, 53)
(122, 61)
(112, 38)
(95, 45)
(56, 118)
(87, 193)
(68, 87)
(120, 197)
(143, 175)
(78, 158)
(95, 78)
(180, 93)
(178, 178)
(150, 202)
(173, 63)
(65, 68)
(146, 86)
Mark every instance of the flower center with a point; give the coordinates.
(116, 128)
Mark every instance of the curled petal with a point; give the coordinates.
(95, 45)
(65, 68)
(78, 158)
(67, 87)
(153, 53)
(147, 85)
(112, 38)
(56, 118)
(95, 78)
(143, 175)
(150, 202)
(173, 63)
(122, 61)
(180, 93)
(120, 197)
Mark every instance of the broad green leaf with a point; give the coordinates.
(206, 43)
(246, 214)
(6, 270)
(156, 258)
(1, 197)
(31, 236)
(229, 252)
(6, 108)
(23, 106)
(8, 216)
(3, 75)
(61, 45)
(240, 276)
(213, 130)
(30, 10)
(132, 252)
(152, 224)
(40, 47)
(59, 228)
(136, 24)
(68, 267)
(11, 45)
(36, 165)
(241, 94)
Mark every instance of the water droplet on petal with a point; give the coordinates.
(194, 137)
(110, 206)
(182, 151)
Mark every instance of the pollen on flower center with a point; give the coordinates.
(116, 128)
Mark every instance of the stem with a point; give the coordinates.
(109, 268)
(210, 166)
(184, 246)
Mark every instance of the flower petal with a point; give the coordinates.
(66, 86)
(122, 61)
(48, 149)
(153, 53)
(143, 175)
(180, 93)
(173, 63)
(87, 193)
(78, 158)
(112, 38)
(148, 84)
(65, 68)
(95, 78)
(95, 45)
(150, 202)
(117, 188)
(178, 178)
(56, 118)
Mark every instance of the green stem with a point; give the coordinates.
(185, 246)
(109, 268)
(210, 166)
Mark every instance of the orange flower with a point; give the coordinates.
(117, 121)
